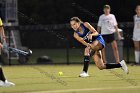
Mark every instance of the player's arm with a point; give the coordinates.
(116, 27)
(2, 31)
(118, 33)
(99, 25)
(3, 37)
(2, 34)
(98, 29)
(81, 40)
(91, 28)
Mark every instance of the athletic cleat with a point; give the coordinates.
(1, 83)
(6, 84)
(83, 74)
(124, 66)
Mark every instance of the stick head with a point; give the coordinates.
(29, 52)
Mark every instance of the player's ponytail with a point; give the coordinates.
(76, 19)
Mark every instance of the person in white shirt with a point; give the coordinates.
(136, 34)
(107, 26)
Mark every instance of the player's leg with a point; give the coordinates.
(137, 51)
(115, 51)
(3, 81)
(99, 62)
(104, 55)
(1, 61)
(86, 59)
(2, 77)
(86, 63)
(96, 46)
(107, 40)
(97, 57)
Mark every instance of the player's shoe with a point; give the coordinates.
(124, 66)
(83, 74)
(6, 84)
(1, 83)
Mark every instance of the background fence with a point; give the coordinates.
(57, 43)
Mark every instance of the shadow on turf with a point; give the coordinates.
(75, 77)
(130, 81)
(53, 77)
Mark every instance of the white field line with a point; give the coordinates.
(84, 89)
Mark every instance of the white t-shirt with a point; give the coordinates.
(136, 33)
(107, 24)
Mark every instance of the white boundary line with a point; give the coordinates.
(84, 89)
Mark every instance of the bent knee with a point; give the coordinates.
(137, 48)
(115, 48)
(101, 67)
(86, 51)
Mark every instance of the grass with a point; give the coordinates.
(45, 78)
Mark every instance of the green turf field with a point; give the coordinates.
(45, 79)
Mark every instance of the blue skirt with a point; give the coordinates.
(98, 38)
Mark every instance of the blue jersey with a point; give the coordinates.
(85, 34)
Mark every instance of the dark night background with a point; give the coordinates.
(59, 11)
(48, 12)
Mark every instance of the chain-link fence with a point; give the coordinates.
(55, 44)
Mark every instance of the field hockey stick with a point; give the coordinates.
(15, 50)
(20, 52)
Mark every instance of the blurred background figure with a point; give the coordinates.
(3, 38)
(3, 81)
(136, 34)
(107, 25)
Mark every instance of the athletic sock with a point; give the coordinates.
(137, 56)
(86, 63)
(2, 77)
(110, 66)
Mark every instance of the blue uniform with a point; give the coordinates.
(85, 34)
